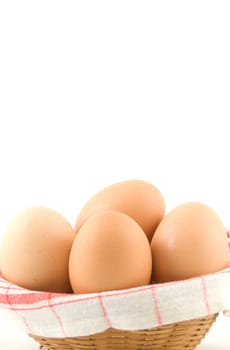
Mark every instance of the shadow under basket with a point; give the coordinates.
(175, 336)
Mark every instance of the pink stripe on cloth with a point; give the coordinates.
(9, 303)
(105, 314)
(204, 289)
(56, 315)
(26, 323)
(156, 307)
(22, 299)
(52, 298)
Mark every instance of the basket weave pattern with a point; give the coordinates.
(182, 335)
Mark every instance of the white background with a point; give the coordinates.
(94, 92)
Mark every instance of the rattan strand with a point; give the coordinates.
(177, 336)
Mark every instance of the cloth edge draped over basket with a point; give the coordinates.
(70, 315)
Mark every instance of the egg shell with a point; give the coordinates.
(137, 198)
(35, 250)
(110, 252)
(190, 241)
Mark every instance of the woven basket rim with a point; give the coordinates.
(177, 335)
(134, 331)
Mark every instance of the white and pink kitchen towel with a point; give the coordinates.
(69, 315)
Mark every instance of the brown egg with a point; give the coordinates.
(139, 199)
(190, 241)
(110, 252)
(35, 250)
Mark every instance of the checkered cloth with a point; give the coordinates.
(69, 315)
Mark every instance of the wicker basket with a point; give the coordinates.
(176, 336)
